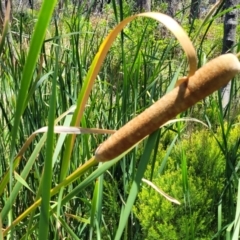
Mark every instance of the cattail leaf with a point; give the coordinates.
(167, 21)
(46, 179)
(180, 34)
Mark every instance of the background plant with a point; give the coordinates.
(195, 218)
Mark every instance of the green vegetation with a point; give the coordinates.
(198, 156)
(49, 63)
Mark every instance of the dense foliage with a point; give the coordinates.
(193, 174)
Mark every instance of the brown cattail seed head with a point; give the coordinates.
(211, 77)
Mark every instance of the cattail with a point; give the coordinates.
(211, 77)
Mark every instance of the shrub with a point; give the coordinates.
(196, 217)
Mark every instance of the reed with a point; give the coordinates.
(211, 77)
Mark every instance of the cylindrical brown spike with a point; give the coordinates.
(211, 77)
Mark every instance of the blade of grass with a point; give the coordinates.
(184, 174)
(237, 216)
(22, 181)
(47, 172)
(98, 204)
(219, 218)
(136, 184)
(94, 207)
(229, 230)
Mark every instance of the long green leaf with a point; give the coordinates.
(47, 173)
(136, 183)
(237, 217)
(44, 18)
